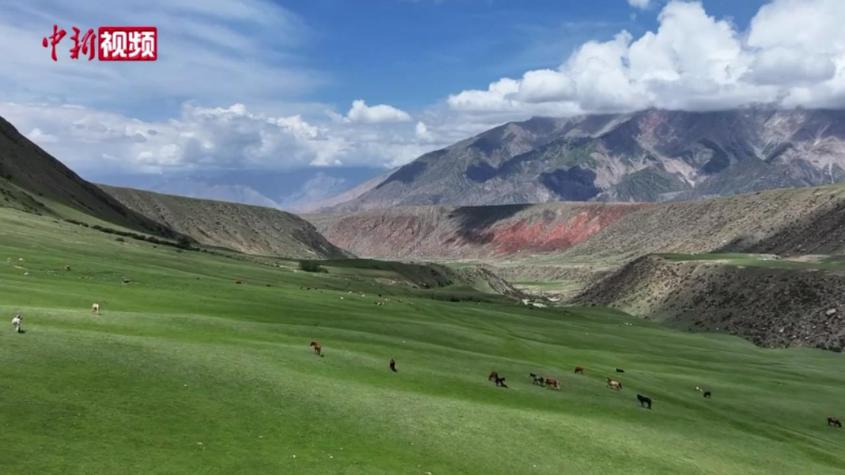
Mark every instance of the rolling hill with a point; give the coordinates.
(651, 155)
(243, 228)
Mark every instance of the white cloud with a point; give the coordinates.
(692, 61)
(97, 143)
(641, 4)
(545, 85)
(361, 112)
(422, 132)
(36, 135)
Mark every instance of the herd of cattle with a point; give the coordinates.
(494, 377)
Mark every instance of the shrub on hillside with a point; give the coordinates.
(311, 266)
(184, 242)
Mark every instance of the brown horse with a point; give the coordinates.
(614, 384)
(317, 347)
(834, 422)
(552, 383)
(500, 381)
(579, 370)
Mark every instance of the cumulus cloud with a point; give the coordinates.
(361, 112)
(96, 142)
(692, 61)
(422, 132)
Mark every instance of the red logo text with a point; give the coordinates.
(109, 43)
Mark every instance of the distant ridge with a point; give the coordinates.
(646, 156)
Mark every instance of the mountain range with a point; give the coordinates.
(646, 156)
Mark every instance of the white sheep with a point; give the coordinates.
(95, 308)
(16, 322)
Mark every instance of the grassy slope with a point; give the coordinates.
(186, 371)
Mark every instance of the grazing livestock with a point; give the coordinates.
(552, 383)
(317, 347)
(614, 384)
(579, 370)
(705, 393)
(620, 370)
(644, 401)
(538, 380)
(95, 308)
(17, 323)
(834, 422)
(500, 381)
(393, 365)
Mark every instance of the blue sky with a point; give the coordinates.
(282, 103)
(412, 53)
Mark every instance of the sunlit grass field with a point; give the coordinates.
(187, 371)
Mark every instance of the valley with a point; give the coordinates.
(186, 369)
(200, 353)
(422, 237)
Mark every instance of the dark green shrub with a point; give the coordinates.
(311, 266)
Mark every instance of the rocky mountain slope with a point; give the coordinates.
(443, 233)
(769, 301)
(32, 180)
(784, 221)
(652, 155)
(779, 221)
(244, 228)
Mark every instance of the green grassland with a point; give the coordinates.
(188, 371)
